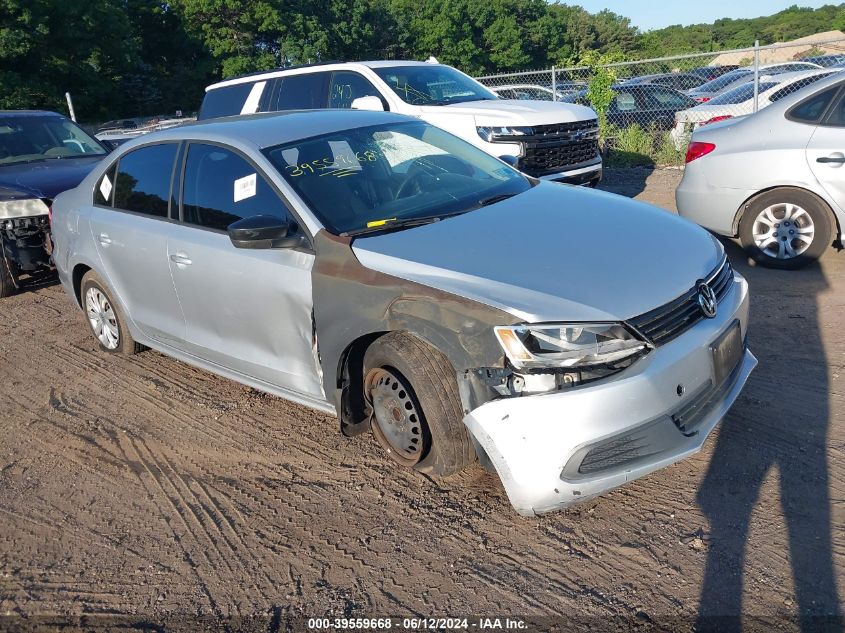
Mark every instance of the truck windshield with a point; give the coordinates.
(432, 84)
(387, 176)
(28, 138)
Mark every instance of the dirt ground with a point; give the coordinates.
(142, 494)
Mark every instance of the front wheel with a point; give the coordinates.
(415, 411)
(785, 228)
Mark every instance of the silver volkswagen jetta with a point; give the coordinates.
(378, 268)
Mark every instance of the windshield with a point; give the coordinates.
(387, 175)
(30, 138)
(714, 85)
(741, 93)
(432, 84)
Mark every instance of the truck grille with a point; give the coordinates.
(559, 146)
(669, 321)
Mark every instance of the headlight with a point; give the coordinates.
(568, 345)
(495, 134)
(22, 208)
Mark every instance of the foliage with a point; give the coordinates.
(635, 146)
(123, 58)
(600, 86)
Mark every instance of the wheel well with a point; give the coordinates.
(350, 379)
(751, 199)
(78, 273)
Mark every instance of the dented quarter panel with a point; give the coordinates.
(351, 301)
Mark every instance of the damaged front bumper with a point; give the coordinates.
(556, 449)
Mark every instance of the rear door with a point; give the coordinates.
(249, 311)
(130, 222)
(303, 91)
(826, 149)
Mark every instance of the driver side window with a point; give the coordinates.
(347, 86)
(221, 187)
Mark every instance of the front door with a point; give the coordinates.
(249, 311)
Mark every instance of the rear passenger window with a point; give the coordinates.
(347, 86)
(103, 192)
(143, 179)
(302, 92)
(227, 101)
(811, 110)
(221, 187)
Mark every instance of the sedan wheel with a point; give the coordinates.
(397, 420)
(783, 231)
(785, 228)
(102, 318)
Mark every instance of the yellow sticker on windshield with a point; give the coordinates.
(380, 222)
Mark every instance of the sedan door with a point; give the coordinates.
(247, 311)
(130, 223)
(826, 151)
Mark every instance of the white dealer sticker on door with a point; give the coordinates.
(105, 188)
(244, 187)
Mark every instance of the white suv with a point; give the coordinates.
(544, 139)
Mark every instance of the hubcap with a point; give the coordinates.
(398, 423)
(783, 230)
(102, 318)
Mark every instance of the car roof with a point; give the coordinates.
(272, 128)
(777, 108)
(31, 113)
(280, 72)
(782, 78)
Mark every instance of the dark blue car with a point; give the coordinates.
(41, 155)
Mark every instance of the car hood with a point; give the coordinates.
(517, 112)
(555, 252)
(46, 178)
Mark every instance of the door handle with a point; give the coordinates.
(180, 259)
(104, 239)
(831, 159)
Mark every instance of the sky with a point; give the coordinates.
(653, 14)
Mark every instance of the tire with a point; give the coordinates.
(8, 278)
(785, 213)
(94, 293)
(405, 377)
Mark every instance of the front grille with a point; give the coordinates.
(559, 146)
(669, 321)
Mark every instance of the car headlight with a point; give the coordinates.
(568, 345)
(496, 134)
(22, 208)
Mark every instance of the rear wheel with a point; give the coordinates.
(105, 317)
(785, 228)
(415, 411)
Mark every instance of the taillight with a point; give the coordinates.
(718, 118)
(697, 149)
(702, 99)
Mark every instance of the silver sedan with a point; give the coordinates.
(774, 179)
(378, 268)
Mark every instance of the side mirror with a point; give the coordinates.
(513, 161)
(264, 231)
(368, 103)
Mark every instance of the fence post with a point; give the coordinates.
(554, 84)
(756, 72)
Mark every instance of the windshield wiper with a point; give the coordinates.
(494, 199)
(394, 225)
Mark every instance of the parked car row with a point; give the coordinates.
(358, 262)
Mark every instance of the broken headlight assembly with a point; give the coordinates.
(22, 208)
(552, 356)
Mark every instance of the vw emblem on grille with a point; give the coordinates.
(707, 300)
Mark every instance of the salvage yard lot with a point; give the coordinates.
(148, 488)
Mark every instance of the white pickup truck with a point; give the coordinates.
(545, 139)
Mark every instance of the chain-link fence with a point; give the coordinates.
(649, 108)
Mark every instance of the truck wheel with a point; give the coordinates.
(8, 278)
(105, 317)
(785, 228)
(415, 411)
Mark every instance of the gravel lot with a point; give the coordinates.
(143, 494)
